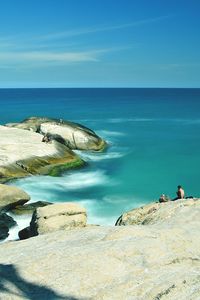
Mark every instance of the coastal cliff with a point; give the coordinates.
(154, 260)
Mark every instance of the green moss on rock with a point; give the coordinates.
(56, 170)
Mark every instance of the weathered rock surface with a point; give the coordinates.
(22, 153)
(28, 209)
(11, 196)
(154, 262)
(157, 213)
(56, 217)
(74, 135)
(6, 222)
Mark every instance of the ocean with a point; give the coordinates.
(153, 137)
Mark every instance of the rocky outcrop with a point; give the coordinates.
(25, 151)
(11, 196)
(60, 216)
(22, 153)
(6, 222)
(157, 213)
(73, 135)
(160, 261)
(28, 209)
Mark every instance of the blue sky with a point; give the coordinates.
(99, 43)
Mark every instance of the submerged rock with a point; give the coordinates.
(56, 217)
(156, 213)
(6, 222)
(11, 196)
(74, 135)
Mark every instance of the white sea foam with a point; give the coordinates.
(85, 179)
(94, 207)
(117, 120)
(124, 120)
(103, 221)
(108, 133)
(22, 222)
(184, 121)
(107, 210)
(39, 186)
(90, 156)
(137, 119)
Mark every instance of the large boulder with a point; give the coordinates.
(157, 213)
(152, 262)
(57, 217)
(74, 135)
(11, 196)
(23, 153)
(6, 222)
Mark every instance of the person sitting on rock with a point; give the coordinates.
(180, 193)
(163, 198)
(46, 139)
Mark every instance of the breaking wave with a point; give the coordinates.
(41, 187)
(22, 222)
(90, 156)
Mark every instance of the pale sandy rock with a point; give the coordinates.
(155, 213)
(11, 196)
(23, 153)
(74, 135)
(17, 144)
(56, 217)
(152, 262)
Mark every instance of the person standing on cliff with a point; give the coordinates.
(180, 193)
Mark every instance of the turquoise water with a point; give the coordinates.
(153, 137)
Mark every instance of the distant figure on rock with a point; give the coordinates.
(180, 193)
(163, 198)
(45, 139)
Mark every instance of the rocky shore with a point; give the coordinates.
(151, 254)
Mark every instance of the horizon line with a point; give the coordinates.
(100, 87)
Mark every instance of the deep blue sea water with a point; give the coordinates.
(153, 136)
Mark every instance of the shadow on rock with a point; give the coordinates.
(10, 278)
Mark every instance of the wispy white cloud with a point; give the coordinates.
(44, 58)
(53, 48)
(47, 56)
(84, 31)
(89, 30)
